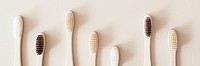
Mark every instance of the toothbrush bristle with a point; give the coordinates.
(17, 26)
(114, 56)
(40, 44)
(94, 42)
(70, 21)
(173, 40)
(148, 25)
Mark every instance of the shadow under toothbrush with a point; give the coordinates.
(159, 20)
(52, 40)
(124, 52)
(184, 36)
(105, 38)
(81, 17)
(29, 25)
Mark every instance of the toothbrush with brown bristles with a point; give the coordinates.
(70, 29)
(173, 46)
(94, 42)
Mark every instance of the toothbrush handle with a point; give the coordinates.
(40, 60)
(93, 59)
(173, 58)
(70, 61)
(18, 60)
(148, 52)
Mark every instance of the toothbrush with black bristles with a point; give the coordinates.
(40, 48)
(147, 29)
(17, 33)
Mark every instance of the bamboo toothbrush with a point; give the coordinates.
(173, 46)
(70, 28)
(17, 33)
(94, 41)
(148, 29)
(40, 48)
(114, 56)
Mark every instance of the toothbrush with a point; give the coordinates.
(17, 33)
(173, 46)
(70, 28)
(114, 56)
(94, 41)
(40, 48)
(148, 29)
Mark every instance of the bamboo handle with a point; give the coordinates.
(70, 61)
(173, 58)
(18, 60)
(40, 60)
(93, 59)
(147, 52)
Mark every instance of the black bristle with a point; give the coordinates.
(148, 26)
(39, 44)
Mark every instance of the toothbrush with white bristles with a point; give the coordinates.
(147, 29)
(94, 42)
(70, 29)
(114, 56)
(173, 46)
(17, 33)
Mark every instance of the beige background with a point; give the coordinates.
(118, 22)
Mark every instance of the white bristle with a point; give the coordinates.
(114, 56)
(147, 16)
(17, 26)
(94, 42)
(173, 40)
(70, 21)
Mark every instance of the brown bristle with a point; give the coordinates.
(173, 41)
(39, 44)
(70, 21)
(148, 26)
(94, 41)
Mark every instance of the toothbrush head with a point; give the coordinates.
(40, 44)
(94, 41)
(114, 56)
(17, 26)
(173, 41)
(148, 25)
(70, 21)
